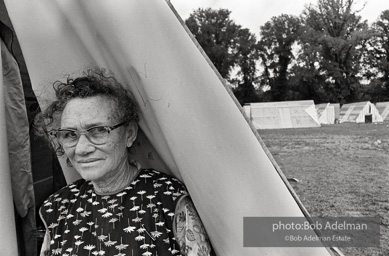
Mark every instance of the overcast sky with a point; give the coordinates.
(254, 13)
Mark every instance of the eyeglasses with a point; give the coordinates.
(97, 135)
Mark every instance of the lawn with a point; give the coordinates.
(343, 170)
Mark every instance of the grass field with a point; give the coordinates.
(343, 170)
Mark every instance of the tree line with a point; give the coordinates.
(326, 54)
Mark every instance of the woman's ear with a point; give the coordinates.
(132, 132)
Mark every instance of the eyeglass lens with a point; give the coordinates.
(96, 135)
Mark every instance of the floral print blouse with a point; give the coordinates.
(152, 216)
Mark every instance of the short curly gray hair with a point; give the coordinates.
(93, 83)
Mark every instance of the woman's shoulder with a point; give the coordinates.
(161, 181)
(72, 188)
(158, 176)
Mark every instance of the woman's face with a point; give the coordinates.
(97, 162)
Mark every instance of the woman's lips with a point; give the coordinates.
(87, 161)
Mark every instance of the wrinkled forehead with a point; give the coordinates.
(82, 112)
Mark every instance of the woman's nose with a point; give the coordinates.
(84, 146)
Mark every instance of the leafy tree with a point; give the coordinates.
(217, 35)
(306, 80)
(276, 52)
(246, 56)
(230, 48)
(339, 37)
(377, 60)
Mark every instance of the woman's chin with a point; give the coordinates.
(89, 174)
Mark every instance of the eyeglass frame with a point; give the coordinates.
(54, 133)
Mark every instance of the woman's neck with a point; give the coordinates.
(118, 181)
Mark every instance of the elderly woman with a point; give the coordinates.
(117, 208)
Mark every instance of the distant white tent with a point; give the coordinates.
(337, 111)
(283, 114)
(383, 109)
(326, 113)
(246, 109)
(359, 112)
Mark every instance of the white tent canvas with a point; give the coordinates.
(326, 113)
(383, 109)
(337, 110)
(284, 114)
(357, 112)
